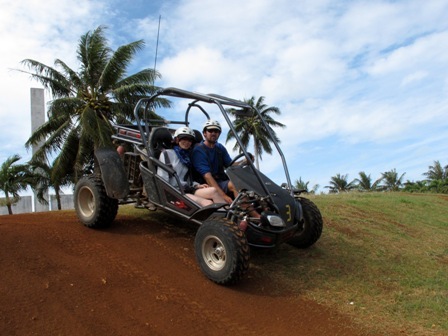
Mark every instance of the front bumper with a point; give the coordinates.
(268, 237)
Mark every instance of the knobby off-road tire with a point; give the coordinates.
(312, 225)
(222, 251)
(94, 208)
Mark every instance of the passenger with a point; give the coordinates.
(121, 150)
(179, 159)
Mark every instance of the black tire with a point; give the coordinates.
(222, 251)
(312, 225)
(94, 208)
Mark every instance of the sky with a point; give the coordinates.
(361, 85)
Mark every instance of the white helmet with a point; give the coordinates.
(212, 124)
(184, 132)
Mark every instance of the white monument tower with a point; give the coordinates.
(37, 119)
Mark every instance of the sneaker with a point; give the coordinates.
(150, 206)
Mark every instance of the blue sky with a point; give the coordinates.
(362, 85)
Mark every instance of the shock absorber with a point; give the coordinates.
(243, 224)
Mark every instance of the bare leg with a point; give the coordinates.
(232, 189)
(200, 200)
(211, 194)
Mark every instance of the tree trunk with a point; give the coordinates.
(257, 164)
(8, 203)
(58, 198)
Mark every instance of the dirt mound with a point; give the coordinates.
(136, 278)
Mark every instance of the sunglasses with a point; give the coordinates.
(213, 130)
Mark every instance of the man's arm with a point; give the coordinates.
(244, 161)
(227, 159)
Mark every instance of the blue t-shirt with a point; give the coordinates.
(206, 159)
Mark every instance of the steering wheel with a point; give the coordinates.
(243, 163)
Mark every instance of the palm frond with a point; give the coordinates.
(49, 77)
(93, 53)
(145, 76)
(70, 74)
(116, 66)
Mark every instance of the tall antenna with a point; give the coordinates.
(157, 44)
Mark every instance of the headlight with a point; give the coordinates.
(272, 219)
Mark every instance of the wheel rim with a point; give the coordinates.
(214, 253)
(86, 202)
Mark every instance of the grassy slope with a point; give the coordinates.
(382, 258)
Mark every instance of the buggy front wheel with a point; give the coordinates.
(222, 251)
(311, 227)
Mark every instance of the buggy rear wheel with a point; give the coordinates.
(222, 251)
(93, 207)
(312, 225)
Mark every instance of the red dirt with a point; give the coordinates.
(135, 278)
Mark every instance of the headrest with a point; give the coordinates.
(198, 136)
(159, 139)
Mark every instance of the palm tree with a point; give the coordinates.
(13, 179)
(391, 180)
(301, 185)
(340, 183)
(87, 102)
(439, 186)
(364, 182)
(46, 177)
(251, 126)
(417, 186)
(436, 172)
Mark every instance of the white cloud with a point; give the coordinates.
(414, 77)
(195, 65)
(425, 52)
(366, 78)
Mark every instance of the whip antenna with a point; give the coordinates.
(157, 44)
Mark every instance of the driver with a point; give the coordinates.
(210, 158)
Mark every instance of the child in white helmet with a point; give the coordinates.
(179, 158)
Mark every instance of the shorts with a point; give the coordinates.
(224, 185)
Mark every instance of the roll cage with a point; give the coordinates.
(144, 123)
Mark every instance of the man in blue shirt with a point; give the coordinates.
(210, 158)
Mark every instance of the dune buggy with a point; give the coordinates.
(225, 231)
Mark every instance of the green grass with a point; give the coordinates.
(382, 258)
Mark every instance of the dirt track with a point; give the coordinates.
(136, 278)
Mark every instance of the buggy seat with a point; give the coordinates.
(198, 136)
(160, 138)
